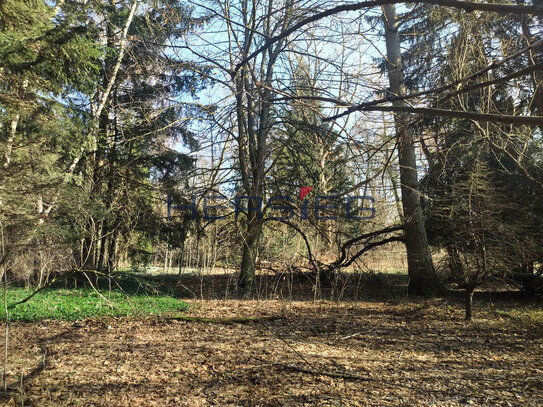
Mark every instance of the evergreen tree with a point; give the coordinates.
(139, 127)
(48, 59)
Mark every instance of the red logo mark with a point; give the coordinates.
(304, 191)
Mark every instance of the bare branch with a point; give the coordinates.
(464, 5)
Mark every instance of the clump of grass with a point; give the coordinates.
(70, 304)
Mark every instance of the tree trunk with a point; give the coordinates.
(250, 250)
(98, 245)
(103, 253)
(422, 279)
(469, 303)
(11, 139)
(13, 129)
(182, 246)
(112, 252)
(181, 255)
(88, 253)
(38, 250)
(166, 257)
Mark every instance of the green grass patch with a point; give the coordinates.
(71, 304)
(524, 315)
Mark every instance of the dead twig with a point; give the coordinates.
(337, 375)
(350, 336)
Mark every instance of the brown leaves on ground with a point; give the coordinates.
(292, 354)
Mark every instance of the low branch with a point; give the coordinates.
(368, 247)
(37, 290)
(349, 243)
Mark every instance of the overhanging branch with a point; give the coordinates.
(340, 262)
(458, 114)
(464, 5)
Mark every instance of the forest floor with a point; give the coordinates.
(382, 349)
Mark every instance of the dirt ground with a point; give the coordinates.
(378, 352)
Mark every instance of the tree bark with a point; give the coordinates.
(422, 279)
